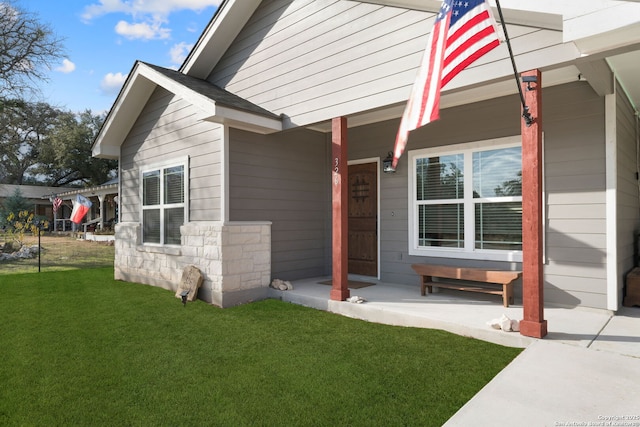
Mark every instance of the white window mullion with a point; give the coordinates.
(162, 192)
(488, 180)
(469, 214)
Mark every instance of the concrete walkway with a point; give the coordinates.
(587, 369)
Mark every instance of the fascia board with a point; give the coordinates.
(243, 120)
(124, 112)
(104, 151)
(218, 36)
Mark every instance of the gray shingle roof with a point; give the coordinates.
(213, 92)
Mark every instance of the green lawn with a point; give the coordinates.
(78, 348)
(59, 252)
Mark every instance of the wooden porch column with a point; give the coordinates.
(533, 324)
(340, 192)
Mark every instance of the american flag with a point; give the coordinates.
(56, 204)
(462, 32)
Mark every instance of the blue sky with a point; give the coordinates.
(103, 39)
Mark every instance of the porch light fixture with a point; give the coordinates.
(387, 164)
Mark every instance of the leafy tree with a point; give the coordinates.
(512, 187)
(40, 144)
(66, 159)
(21, 223)
(28, 48)
(23, 126)
(13, 204)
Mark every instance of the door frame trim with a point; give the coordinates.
(377, 161)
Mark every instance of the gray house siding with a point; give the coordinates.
(490, 119)
(284, 179)
(575, 269)
(575, 184)
(168, 129)
(628, 206)
(313, 60)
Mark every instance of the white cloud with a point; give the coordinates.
(179, 52)
(148, 17)
(112, 82)
(142, 30)
(66, 67)
(159, 8)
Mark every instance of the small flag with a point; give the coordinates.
(56, 204)
(81, 206)
(462, 32)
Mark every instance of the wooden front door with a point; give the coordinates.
(363, 219)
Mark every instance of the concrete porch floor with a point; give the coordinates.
(584, 372)
(467, 314)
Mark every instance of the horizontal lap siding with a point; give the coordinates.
(575, 269)
(283, 178)
(167, 128)
(575, 185)
(486, 120)
(312, 60)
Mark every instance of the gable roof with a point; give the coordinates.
(217, 105)
(602, 35)
(213, 92)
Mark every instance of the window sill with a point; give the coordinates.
(166, 250)
(515, 256)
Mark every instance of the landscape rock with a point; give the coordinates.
(281, 285)
(25, 252)
(191, 281)
(504, 323)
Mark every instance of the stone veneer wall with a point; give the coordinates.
(235, 259)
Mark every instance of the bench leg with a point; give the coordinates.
(507, 294)
(425, 282)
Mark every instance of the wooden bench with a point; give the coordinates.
(496, 282)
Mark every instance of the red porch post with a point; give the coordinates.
(339, 182)
(533, 324)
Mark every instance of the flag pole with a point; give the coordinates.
(526, 115)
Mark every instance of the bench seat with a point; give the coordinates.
(494, 282)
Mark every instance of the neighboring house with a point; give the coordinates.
(227, 163)
(37, 196)
(104, 208)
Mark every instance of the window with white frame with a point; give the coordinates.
(164, 209)
(466, 201)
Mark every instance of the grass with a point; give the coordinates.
(60, 252)
(79, 348)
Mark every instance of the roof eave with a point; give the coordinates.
(139, 86)
(230, 18)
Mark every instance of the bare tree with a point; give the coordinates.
(28, 49)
